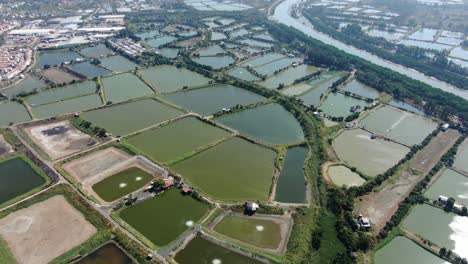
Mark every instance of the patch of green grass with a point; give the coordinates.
(257, 232)
(5, 254)
(330, 245)
(122, 183)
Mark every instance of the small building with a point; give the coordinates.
(443, 199)
(365, 222)
(444, 127)
(252, 207)
(168, 182)
(186, 189)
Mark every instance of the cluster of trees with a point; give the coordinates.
(89, 128)
(353, 35)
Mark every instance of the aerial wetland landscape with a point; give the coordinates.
(219, 132)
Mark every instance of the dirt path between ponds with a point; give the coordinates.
(379, 206)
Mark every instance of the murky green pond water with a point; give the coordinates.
(268, 123)
(401, 250)
(107, 254)
(168, 78)
(291, 186)
(202, 251)
(174, 140)
(163, 218)
(17, 178)
(119, 119)
(12, 112)
(210, 100)
(342, 175)
(444, 229)
(124, 87)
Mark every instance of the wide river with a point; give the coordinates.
(283, 15)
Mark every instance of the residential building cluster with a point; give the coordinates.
(13, 61)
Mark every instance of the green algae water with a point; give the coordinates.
(258, 232)
(17, 178)
(291, 186)
(121, 184)
(269, 123)
(163, 218)
(107, 254)
(202, 251)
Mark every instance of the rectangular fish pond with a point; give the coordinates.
(109, 253)
(56, 57)
(339, 105)
(161, 219)
(341, 175)
(213, 99)
(369, 156)
(291, 186)
(13, 112)
(118, 64)
(403, 127)
(449, 184)
(63, 93)
(254, 231)
(176, 139)
(121, 183)
(17, 178)
(444, 229)
(222, 171)
(269, 123)
(402, 250)
(88, 70)
(462, 157)
(29, 84)
(124, 87)
(119, 119)
(202, 251)
(73, 105)
(287, 77)
(96, 51)
(167, 78)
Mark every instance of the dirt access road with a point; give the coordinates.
(379, 206)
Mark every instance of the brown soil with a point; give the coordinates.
(93, 164)
(381, 205)
(59, 139)
(44, 231)
(59, 76)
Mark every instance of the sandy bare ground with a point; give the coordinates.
(5, 147)
(95, 163)
(59, 139)
(102, 164)
(380, 206)
(45, 230)
(284, 221)
(57, 75)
